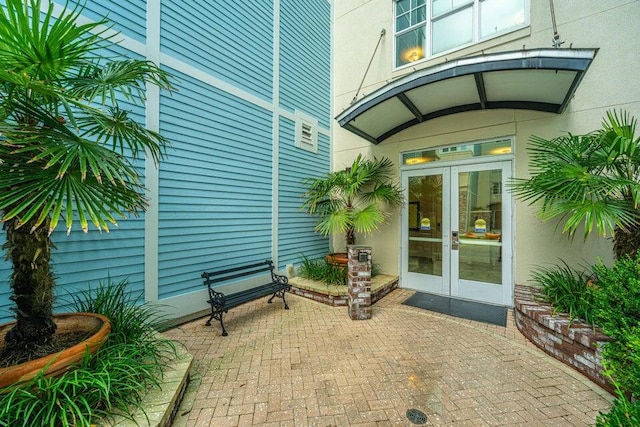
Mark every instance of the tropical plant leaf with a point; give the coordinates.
(63, 155)
(589, 181)
(352, 199)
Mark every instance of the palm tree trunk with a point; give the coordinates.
(351, 237)
(32, 286)
(626, 242)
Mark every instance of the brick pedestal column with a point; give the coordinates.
(359, 282)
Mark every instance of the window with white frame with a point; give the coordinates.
(426, 28)
(306, 136)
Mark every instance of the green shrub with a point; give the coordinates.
(623, 413)
(113, 381)
(567, 290)
(321, 270)
(613, 303)
(616, 306)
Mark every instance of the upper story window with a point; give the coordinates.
(425, 28)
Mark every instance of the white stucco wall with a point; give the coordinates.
(611, 82)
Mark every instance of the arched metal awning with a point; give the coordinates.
(538, 79)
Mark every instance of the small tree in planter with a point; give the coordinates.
(590, 180)
(352, 200)
(66, 148)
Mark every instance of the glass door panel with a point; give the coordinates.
(480, 219)
(457, 232)
(427, 220)
(482, 214)
(425, 226)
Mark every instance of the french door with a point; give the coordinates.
(456, 232)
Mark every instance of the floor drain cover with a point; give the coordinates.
(416, 416)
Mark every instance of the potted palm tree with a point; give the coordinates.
(67, 149)
(590, 180)
(353, 200)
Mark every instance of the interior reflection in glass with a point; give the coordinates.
(425, 224)
(480, 225)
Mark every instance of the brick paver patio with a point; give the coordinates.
(313, 366)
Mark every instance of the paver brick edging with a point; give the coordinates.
(574, 343)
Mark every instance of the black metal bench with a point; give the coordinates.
(221, 303)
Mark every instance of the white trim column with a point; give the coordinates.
(152, 109)
(275, 169)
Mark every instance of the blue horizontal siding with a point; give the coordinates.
(305, 58)
(126, 17)
(232, 41)
(83, 259)
(215, 185)
(296, 237)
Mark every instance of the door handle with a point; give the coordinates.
(455, 241)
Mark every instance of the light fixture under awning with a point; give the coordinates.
(538, 79)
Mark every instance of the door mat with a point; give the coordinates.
(477, 311)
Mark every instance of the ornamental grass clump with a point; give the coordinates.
(567, 290)
(111, 382)
(321, 270)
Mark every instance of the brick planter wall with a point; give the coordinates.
(339, 297)
(575, 344)
(377, 293)
(334, 300)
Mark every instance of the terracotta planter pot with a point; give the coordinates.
(58, 363)
(338, 258)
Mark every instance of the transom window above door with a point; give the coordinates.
(426, 28)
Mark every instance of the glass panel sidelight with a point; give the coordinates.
(425, 224)
(480, 225)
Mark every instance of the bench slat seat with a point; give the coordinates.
(222, 303)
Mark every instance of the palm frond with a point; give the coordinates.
(122, 133)
(390, 194)
(367, 219)
(338, 221)
(588, 181)
(350, 199)
(103, 82)
(41, 46)
(43, 194)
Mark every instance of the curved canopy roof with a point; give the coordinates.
(538, 79)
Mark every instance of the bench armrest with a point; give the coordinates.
(217, 299)
(279, 279)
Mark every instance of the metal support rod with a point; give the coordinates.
(382, 33)
(556, 42)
